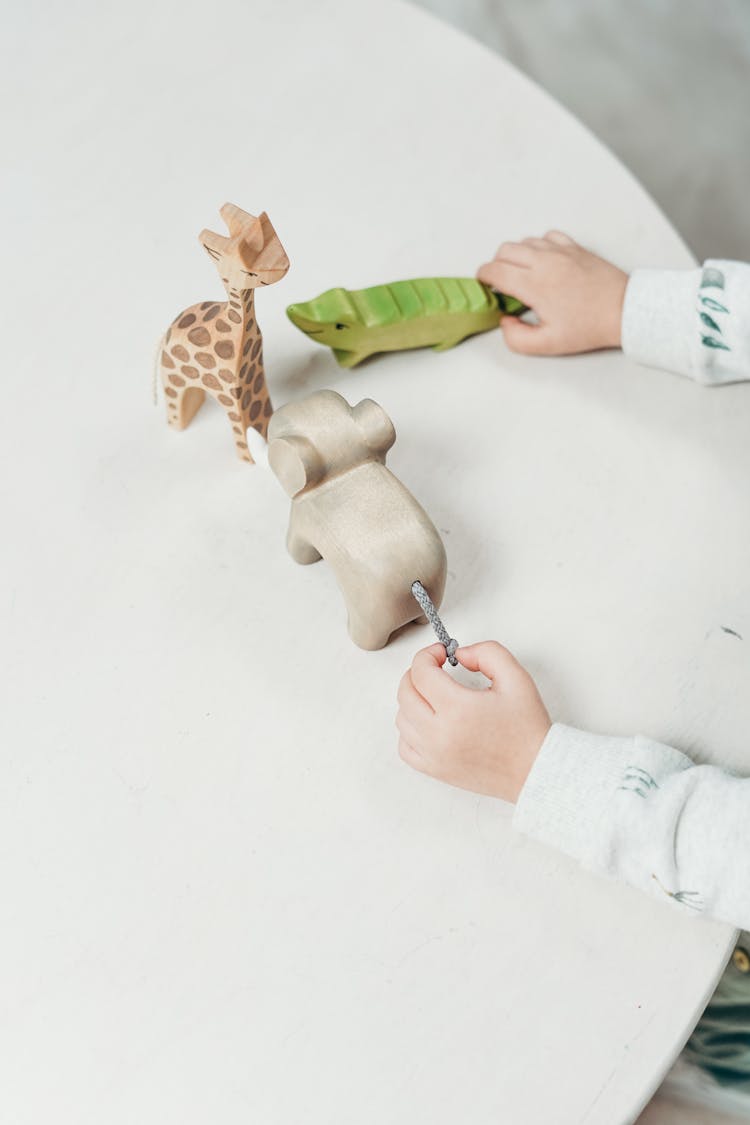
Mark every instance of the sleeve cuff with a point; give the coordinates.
(564, 800)
(658, 319)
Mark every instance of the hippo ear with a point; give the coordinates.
(375, 425)
(296, 462)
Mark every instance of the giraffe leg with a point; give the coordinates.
(189, 405)
(256, 402)
(238, 422)
(183, 403)
(256, 414)
(240, 444)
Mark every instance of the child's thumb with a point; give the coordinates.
(528, 339)
(490, 658)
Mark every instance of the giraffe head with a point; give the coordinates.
(252, 255)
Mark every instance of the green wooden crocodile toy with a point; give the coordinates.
(436, 312)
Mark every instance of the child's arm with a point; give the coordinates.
(695, 322)
(635, 809)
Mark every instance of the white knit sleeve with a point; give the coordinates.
(644, 813)
(695, 322)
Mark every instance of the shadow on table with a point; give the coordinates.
(292, 377)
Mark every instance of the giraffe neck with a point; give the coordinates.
(241, 312)
(253, 406)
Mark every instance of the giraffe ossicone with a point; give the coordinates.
(216, 347)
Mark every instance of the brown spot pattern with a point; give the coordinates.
(258, 383)
(255, 409)
(224, 348)
(186, 321)
(247, 346)
(243, 370)
(235, 417)
(234, 304)
(225, 400)
(191, 372)
(166, 360)
(205, 360)
(268, 409)
(211, 313)
(256, 349)
(222, 326)
(234, 316)
(246, 399)
(180, 353)
(200, 336)
(176, 379)
(211, 381)
(236, 391)
(170, 391)
(226, 374)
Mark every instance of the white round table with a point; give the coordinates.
(225, 897)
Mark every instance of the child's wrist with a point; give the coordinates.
(620, 285)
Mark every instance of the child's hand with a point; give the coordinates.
(485, 740)
(577, 296)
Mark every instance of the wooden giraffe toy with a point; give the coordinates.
(217, 346)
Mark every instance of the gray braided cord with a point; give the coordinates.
(432, 615)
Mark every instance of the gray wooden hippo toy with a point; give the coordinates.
(349, 509)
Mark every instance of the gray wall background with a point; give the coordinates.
(664, 83)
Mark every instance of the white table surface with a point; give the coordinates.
(225, 898)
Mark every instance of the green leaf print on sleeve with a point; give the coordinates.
(636, 780)
(710, 322)
(709, 303)
(711, 278)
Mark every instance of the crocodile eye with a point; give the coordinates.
(341, 326)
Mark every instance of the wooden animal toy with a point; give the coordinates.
(349, 509)
(217, 346)
(437, 312)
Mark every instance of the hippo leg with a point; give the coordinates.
(370, 635)
(301, 550)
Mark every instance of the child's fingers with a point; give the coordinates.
(559, 237)
(428, 677)
(407, 730)
(408, 754)
(536, 243)
(435, 650)
(490, 658)
(517, 253)
(528, 339)
(410, 701)
(506, 278)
